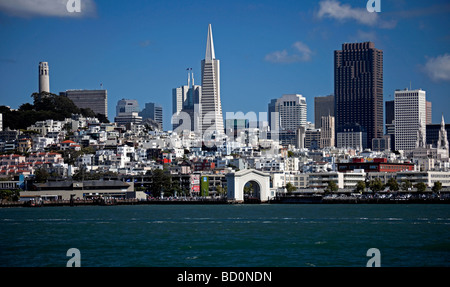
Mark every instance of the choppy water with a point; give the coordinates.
(226, 235)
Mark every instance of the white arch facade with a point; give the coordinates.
(237, 180)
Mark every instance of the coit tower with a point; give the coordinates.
(44, 78)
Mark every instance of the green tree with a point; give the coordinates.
(437, 186)
(393, 184)
(220, 190)
(290, 188)
(161, 182)
(41, 175)
(360, 186)
(248, 188)
(10, 195)
(421, 187)
(332, 187)
(406, 185)
(376, 185)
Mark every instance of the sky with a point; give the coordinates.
(140, 49)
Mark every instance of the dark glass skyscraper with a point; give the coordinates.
(358, 88)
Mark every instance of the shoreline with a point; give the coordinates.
(279, 200)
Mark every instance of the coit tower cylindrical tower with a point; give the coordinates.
(44, 78)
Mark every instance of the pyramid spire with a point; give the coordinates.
(210, 55)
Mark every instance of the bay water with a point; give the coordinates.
(265, 235)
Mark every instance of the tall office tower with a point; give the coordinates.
(358, 88)
(210, 105)
(44, 77)
(186, 99)
(152, 111)
(410, 118)
(390, 122)
(429, 116)
(327, 132)
(1, 122)
(96, 100)
(323, 107)
(127, 111)
(127, 106)
(271, 112)
(291, 114)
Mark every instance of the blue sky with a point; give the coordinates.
(141, 49)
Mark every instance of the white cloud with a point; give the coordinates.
(438, 69)
(300, 53)
(46, 8)
(342, 12)
(304, 50)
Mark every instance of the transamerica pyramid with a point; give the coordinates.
(210, 105)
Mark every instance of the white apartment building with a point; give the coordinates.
(427, 177)
(342, 179)
(410, 118)
(280, 179)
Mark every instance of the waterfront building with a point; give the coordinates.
(347, 180)
(410, 118)
(358, 88)
(210, 103)
(96, 100)
(44, 77)
(297, 179)
(427, 177)
(376, 165)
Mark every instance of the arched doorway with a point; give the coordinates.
(252, 191)
(256, 184)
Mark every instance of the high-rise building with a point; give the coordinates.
(152, 111)
(390, 122)
(186, 99)
(290, 114)
(271, 112)
(327, 132)
(44, 77)
(429, 117)
(96, 100)
(410, 118)
(358, 88)
(323, 107)
(127, 106)
(210, 104)
(1, 122)
(127, 112)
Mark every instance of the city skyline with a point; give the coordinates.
(137, 65)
